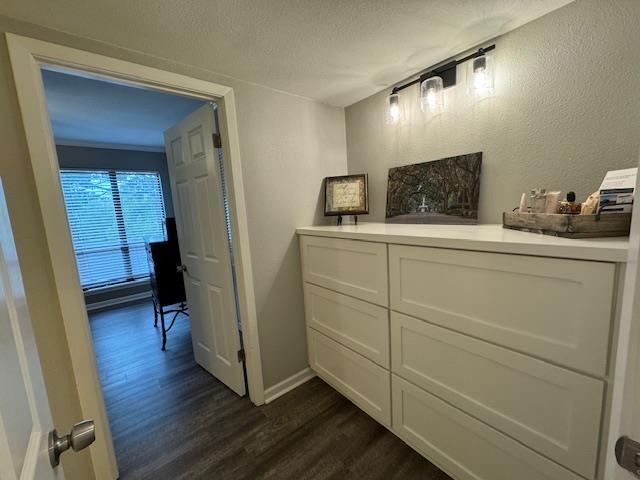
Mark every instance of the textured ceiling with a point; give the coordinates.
(334, 51)
(86, 111)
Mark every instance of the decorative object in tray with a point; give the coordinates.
(444, 191)
(346, 195)
(605, 213)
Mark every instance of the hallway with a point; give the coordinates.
(172, 420)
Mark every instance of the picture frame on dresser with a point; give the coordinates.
(346, 195)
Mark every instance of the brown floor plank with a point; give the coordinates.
(172, 420)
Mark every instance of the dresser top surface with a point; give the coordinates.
(490, 238)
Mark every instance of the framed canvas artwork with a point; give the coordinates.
(444, 191)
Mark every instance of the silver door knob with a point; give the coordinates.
(181, 269)
(81, 436)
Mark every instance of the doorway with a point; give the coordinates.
(153, 245)
(28, 56)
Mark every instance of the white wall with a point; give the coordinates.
(566, 109)
(293, 145)
(287, 145)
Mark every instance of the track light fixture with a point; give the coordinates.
(433, 83)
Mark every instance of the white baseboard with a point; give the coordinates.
(112, 302)
(288, 384)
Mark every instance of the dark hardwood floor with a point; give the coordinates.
(172, 420)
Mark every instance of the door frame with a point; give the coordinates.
(626, 382)
(28, 56)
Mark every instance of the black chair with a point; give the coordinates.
(167, 283)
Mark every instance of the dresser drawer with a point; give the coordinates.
(351, 267)
(548, 408)
(360, 380)
(463, 446)
(555, 309)
(359, 325)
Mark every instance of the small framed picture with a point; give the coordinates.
(346, 195)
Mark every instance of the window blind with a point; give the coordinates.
(111, 215)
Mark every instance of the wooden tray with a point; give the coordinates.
(569, 226)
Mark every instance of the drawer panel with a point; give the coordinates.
(555, 309)
(351, 267)
(463, 446)
(548, 408)
(359, 325)
(360, 380)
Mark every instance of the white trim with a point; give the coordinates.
(67, 142)
(288, 384)
(28, 56)
(112, 302)
(624, 412)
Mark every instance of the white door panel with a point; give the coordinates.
(25, 418)
(202, 233)
(625, 409)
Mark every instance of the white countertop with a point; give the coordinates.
(489, 238)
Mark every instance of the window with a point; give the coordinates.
(111, 215)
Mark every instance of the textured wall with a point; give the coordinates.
(287, 145)
(566, 109)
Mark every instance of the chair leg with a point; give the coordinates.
(164, 331)
(155, 314)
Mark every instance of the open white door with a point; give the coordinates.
(199, 203)
(25, 418)
(625, 410)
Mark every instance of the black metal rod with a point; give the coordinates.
(406, 85)
(452, 64)
(477, 54)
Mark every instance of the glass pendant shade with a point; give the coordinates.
(395, 111)
(480, 78)
(432, 94)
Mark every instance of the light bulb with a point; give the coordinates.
(394, 111)
(432, 99)
(431, 94)
(481, 76)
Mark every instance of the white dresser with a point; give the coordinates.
(486, 350)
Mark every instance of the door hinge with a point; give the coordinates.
(628, 455)
(217, 140)
(241, 356)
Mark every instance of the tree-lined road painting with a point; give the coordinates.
(443, 191)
